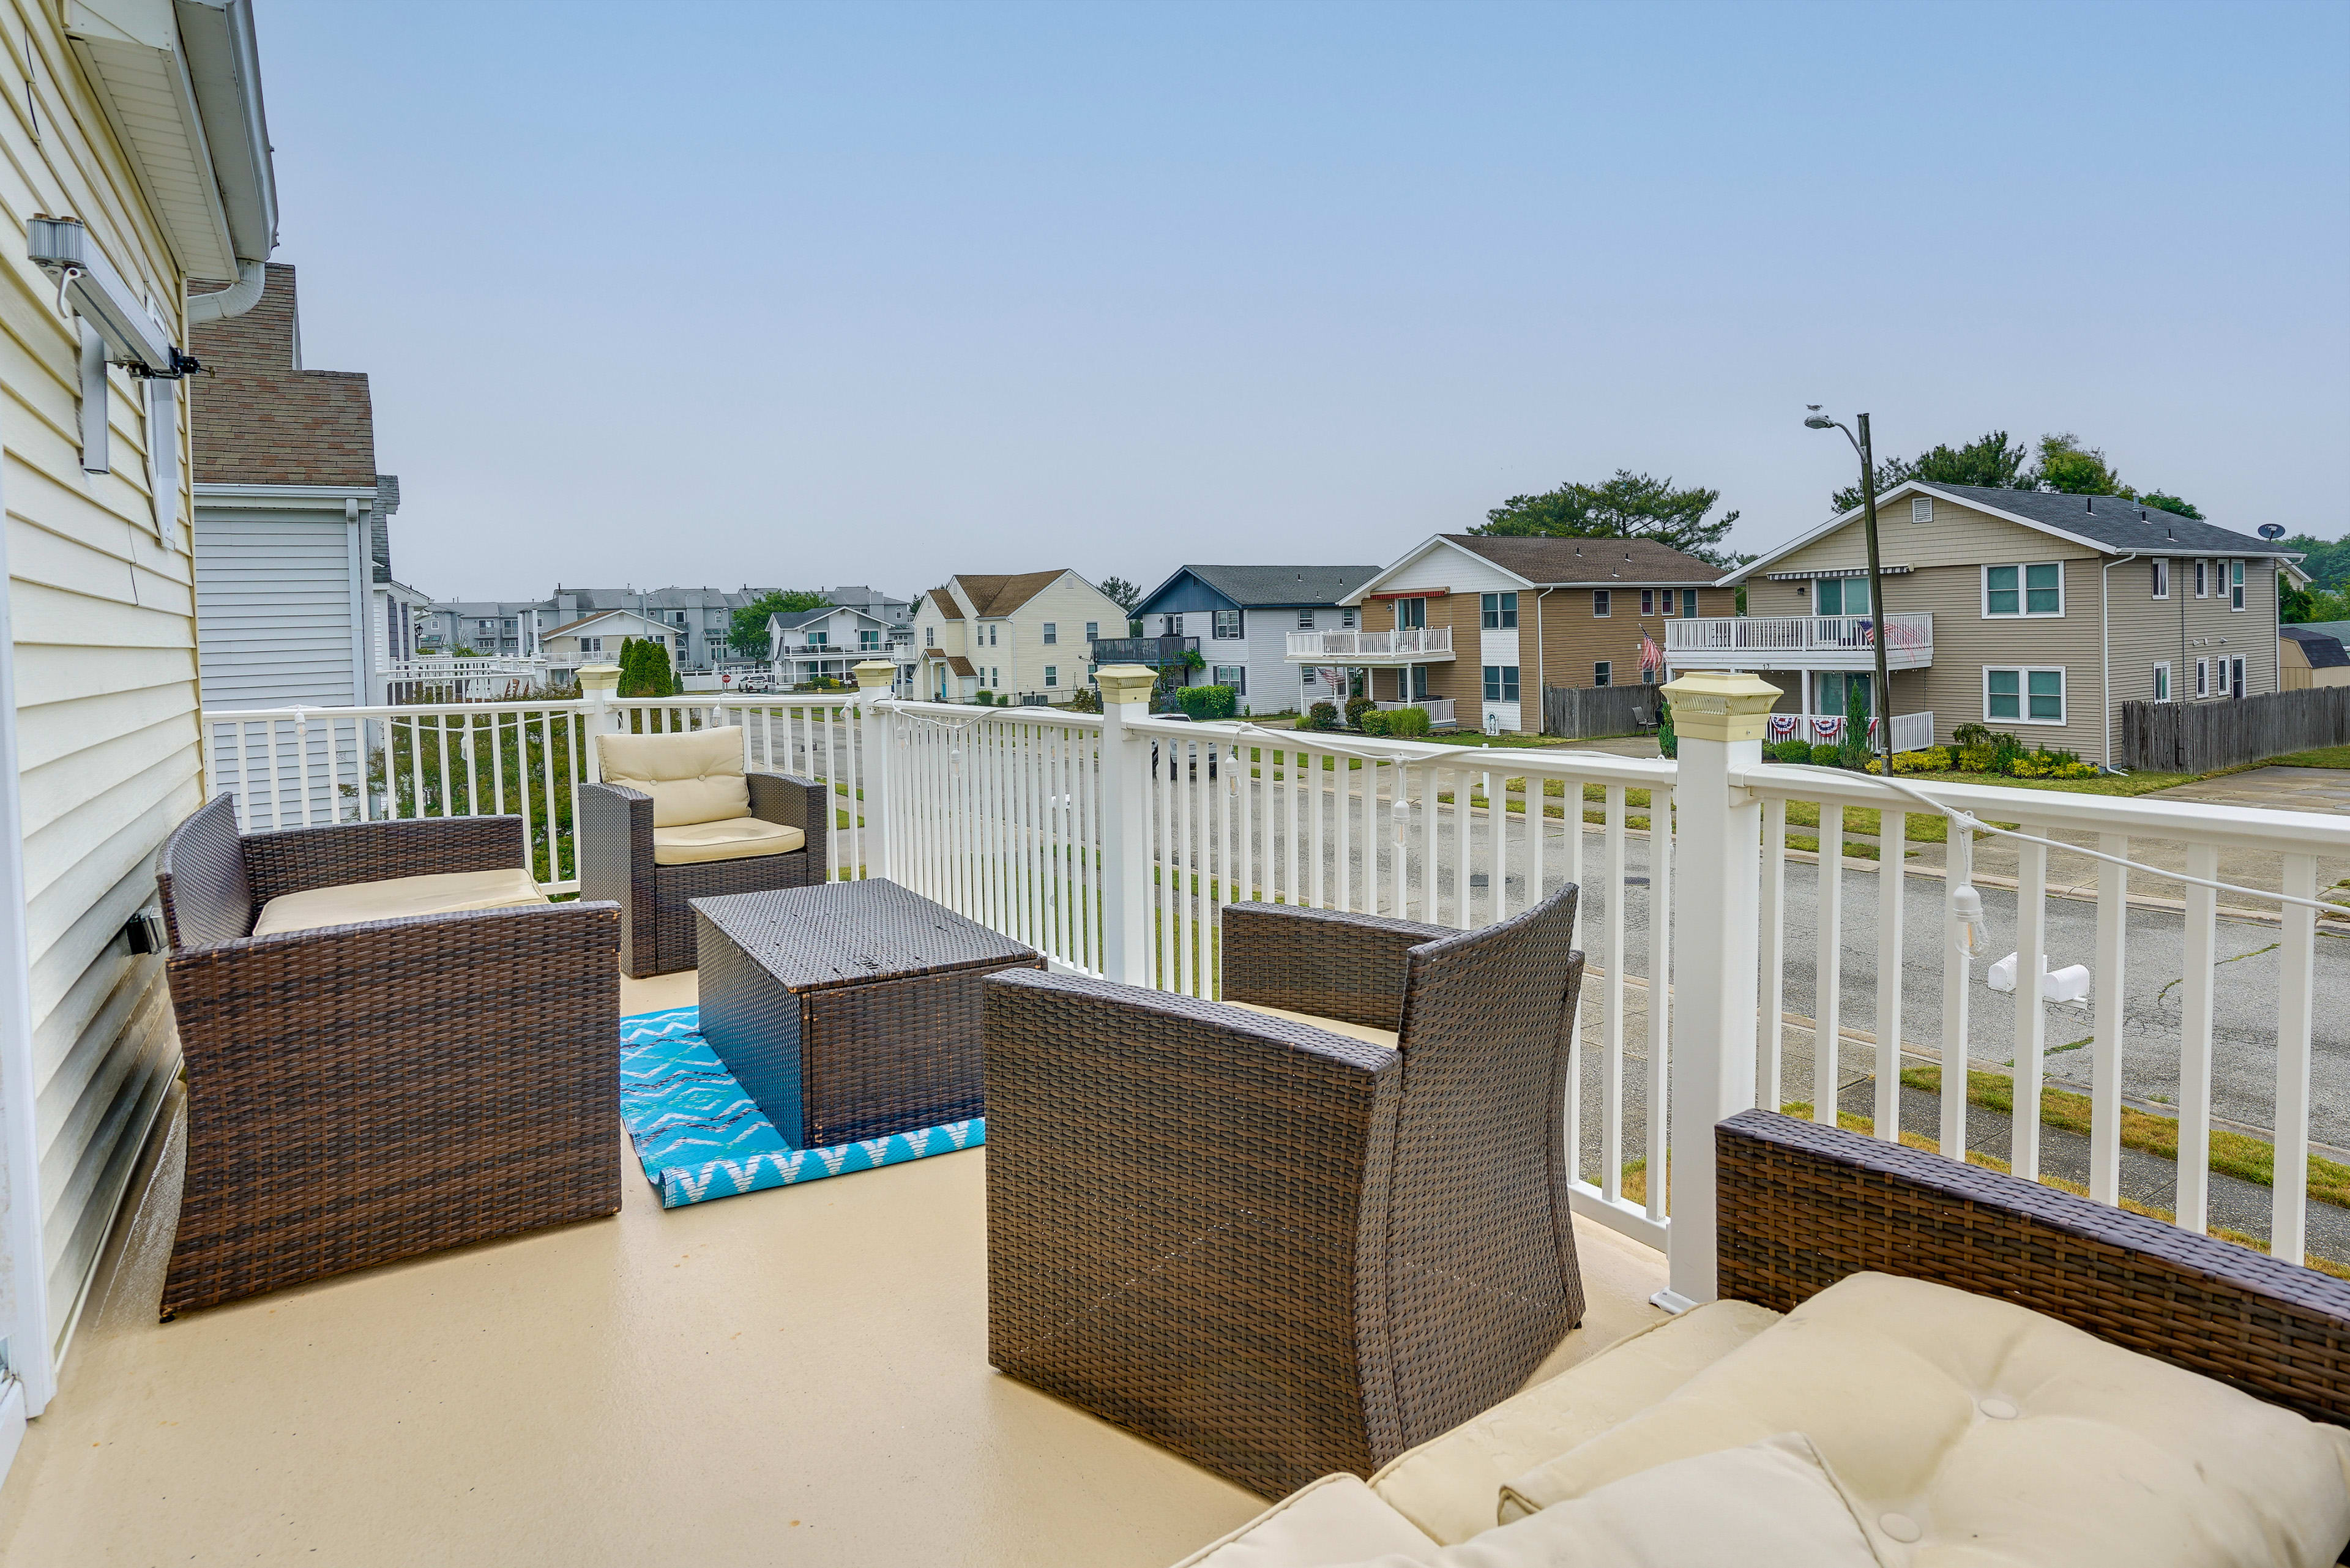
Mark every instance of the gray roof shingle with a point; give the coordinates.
(1588, 558)
(2115, 522)
(2323, 650)
(1274, 587)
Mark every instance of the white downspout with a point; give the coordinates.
(252, 277)
(2104, 648)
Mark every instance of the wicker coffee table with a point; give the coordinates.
(848, 1009)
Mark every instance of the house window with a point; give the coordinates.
(1305, 620)
(2025, 696)
(995, 678)
(1233, 675)
(1647, 675)
(1688, 604)
(2202, 678)
(1052, 676)
(1051, 632)
(2037, 590)
(930, 637)
(1092, 631)
(1227, 626)
(1418, 682)
(1831, 689)
(1411, 614)
(1841, 596)
(1599, 608)
(1602, 673)
(868, 637)
(1648, 601)
(2203, 581)
(2161, 571)
(818, 639)
(2235, 585)
(1500, 610)
(1922, 509)
(2218, 678)
(1347, 618)
(591, 645)
(1501, 683)
(990, 637)
(2162, 682)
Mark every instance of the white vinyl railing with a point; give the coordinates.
(1911, 732)
(1719, 938)
(1907, 632)
(1339, 646)
(1439, 709)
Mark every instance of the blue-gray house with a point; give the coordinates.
(1239, 619)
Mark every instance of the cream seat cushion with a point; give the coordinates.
(1451, 1486)
(1333, 1520)
(1386, 1037)
(733, 839)
(695, 775)
(1975, 1432)
(1771, 1504)
(445, 893)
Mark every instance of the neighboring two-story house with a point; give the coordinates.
(832, 641)
(1239, 619)
(597, 639)
(1474, 625)
(2032, 612)
(295, 598)
(1028, 635)
(696, 621)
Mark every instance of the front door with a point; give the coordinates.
(1411, 614)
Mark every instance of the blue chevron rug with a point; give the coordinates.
(700, 1136)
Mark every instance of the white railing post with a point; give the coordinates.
(599, 683)
(1719, 718)
(874, 676)
(1126, 831)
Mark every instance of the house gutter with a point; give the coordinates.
(252, 277)
(2106, 650)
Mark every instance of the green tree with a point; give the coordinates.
(1990, 460)
(2069, 468)
(746, 631)
(644, 668)
(2328, 561)
(1628, 506)
(1121, 593)
(2171, 503)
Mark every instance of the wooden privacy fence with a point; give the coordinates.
(2196, 737)
(1578, 711)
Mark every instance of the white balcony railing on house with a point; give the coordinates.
(1111, 842)
(462, 680)
(1405, 645)
(1799, 641)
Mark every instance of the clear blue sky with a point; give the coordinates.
(873, 293)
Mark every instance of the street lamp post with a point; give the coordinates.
(1860, 444)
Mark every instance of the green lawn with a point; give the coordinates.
(2324, 757)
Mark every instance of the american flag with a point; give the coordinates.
(1651, 656)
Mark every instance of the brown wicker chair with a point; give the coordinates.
(616, 862)
(1279, 1250)
(362, 1093)
(1803, 1205)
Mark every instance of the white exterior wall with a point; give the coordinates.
(102, 641)
(276, 614)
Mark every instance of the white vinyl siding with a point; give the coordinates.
(104, 644)
(274, 610)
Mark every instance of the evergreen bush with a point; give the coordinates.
(1356, 708)
(1668, 744)
(1207, 703)
(1321, 716)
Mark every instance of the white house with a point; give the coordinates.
(831, 640)
(1237, 619)
(1028, 635)
(138, 161)
(594, 639)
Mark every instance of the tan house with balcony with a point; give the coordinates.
(2033, 613)
(1474, 626)
(1026, 635)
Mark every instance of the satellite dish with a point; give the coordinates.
(2272, 531)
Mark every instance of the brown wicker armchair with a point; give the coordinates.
(1276, 1249)
(617, 861)
(366, 1091)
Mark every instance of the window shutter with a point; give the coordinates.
(1922, 509)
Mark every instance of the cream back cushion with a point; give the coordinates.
(1974, 1431)
(696, 776)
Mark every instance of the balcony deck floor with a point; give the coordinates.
(794, 1376)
